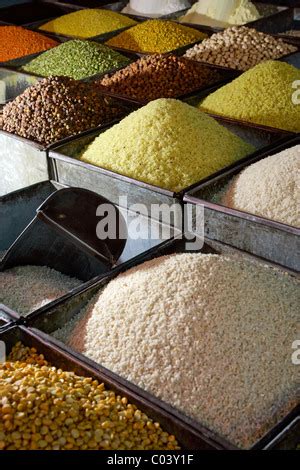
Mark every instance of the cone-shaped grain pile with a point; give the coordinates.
(189, 329)
(156, 36)
(262, 95)
(269, 188)
(168, 144)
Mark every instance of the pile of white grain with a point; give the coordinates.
(27, 288)
(269, 188)
(209, 334)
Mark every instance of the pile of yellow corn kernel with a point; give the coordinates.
(42, 407)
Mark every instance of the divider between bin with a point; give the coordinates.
(270, 239)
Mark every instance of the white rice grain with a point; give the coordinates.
(208, 334)
(27, 288)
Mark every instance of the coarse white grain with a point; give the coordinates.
(27, 288)
(209, 334)
(269, 188)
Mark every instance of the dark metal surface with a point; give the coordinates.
(22, 163)
(7, 316)
(188, 438)
(73, 212)
(266, 238)
(63, 236)
(12, 84)
(287, 439)
(18, 208)
(54, 318)
(29, 12)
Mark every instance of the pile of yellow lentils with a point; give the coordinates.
(43, 407)
(156, 36)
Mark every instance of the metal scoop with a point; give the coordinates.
(63, 236)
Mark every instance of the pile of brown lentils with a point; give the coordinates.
(43, 407)
(56, 108)
(158, 76)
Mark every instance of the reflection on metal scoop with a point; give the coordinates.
(63, 236)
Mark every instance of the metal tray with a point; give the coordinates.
(114, 6)
(7, 317)
(225, 76)
(293, 25)
(289, 438)
(13, 84)
(66, 169)
(52, 319)
(269, 239)
(35, 11)
(187, 437)
(18, 209)
(289, 3)
(24, 162)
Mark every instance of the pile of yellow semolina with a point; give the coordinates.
(168, 144)
(264, 95)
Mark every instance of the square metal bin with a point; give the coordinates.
(293, 59)
(54, 318)
(187, 437)
(19, 208)
(68, 170)
(106, 4)
(266, 238)
(118, 6)
(24, 162)
(34, 11)
(7, 317)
